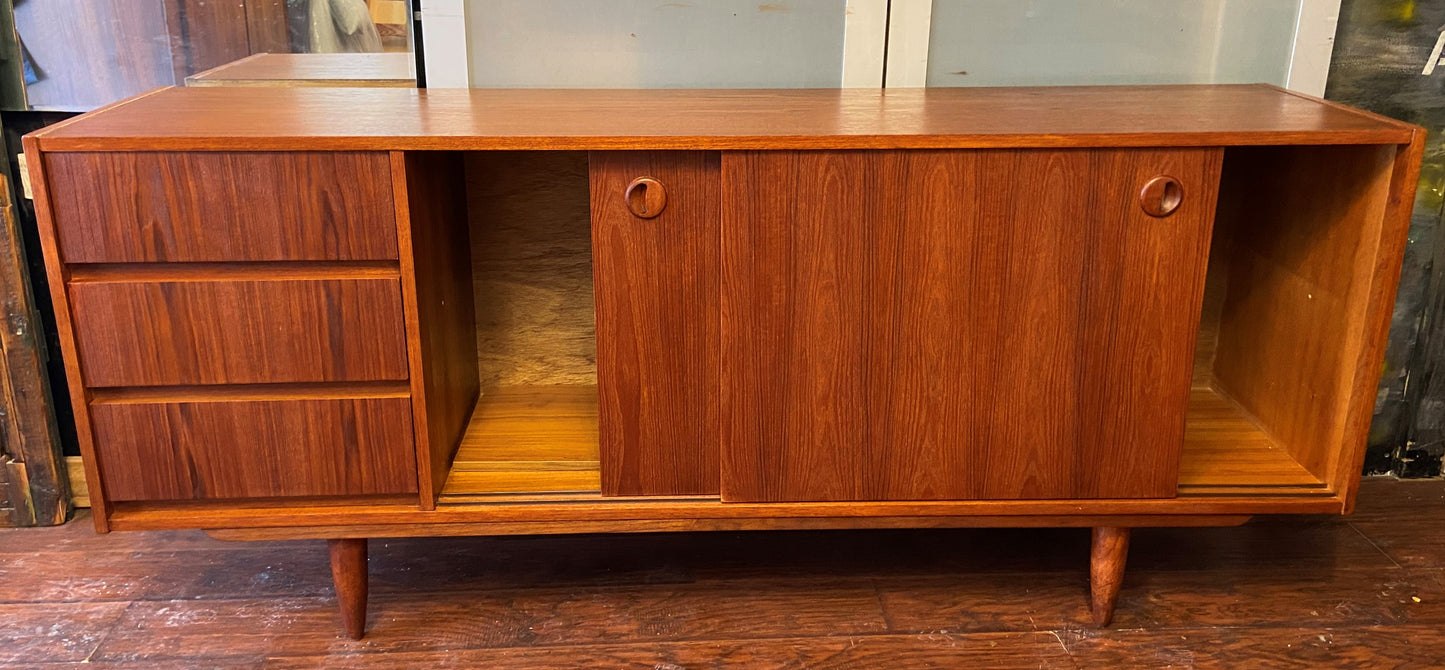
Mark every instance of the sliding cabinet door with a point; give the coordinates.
(910, 325)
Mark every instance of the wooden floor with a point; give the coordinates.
(1366, 591)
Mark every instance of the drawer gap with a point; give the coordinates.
(231, 271)
(241, 392)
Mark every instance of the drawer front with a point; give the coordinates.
(255, 449)
(162, 333)
(193, 207)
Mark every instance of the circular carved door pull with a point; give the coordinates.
(645, 197)
(1161, 196)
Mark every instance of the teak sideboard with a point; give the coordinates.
(352, 313)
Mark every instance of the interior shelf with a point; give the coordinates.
(529, 439)
(543, 440)
(1225, 452)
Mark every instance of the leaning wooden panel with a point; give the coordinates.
(657, 320)
(255, 449)
(146, 207)
(959, 325)
(30, 452)
(238, 332)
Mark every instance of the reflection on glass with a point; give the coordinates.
(76, 55)
(1059, 42)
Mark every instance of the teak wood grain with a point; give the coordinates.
(1306, 227)
(542, 440)
(440, 311)
(656, 285)
(349, 575)
(531, 230)
(1224, 448)
(527, 439)
(56, 275)
(832, 317)
(255, 449)
(1107, 555)
(147, 207)
(649, 515)
(1384, 273)
(238, 332)
(958, 325)
(288, 119)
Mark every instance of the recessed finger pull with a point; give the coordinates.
(1161, 196)
(645, 197)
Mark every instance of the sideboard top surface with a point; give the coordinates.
(281, 119)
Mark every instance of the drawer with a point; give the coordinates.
(149, 333)
(158, 207)
(254, 448)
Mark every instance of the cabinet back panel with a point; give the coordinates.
(1216, 282)
(222, 206)
(1305, 224)
(958, 325)
(532, 268)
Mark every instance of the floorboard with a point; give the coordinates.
(1360, 591)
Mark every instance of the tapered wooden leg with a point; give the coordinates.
(1106, 571)
(348, 573)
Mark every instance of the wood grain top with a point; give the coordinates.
(345, 69)
(399, 119)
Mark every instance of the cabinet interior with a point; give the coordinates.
(535, 425)
(1293, 247)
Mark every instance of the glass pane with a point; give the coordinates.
(651, 44)
(1057, 42)
(76, 55)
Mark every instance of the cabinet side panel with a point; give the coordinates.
(1384, 283)
(656, 285)
(56, 276)
(442, 324)
(1308, 224)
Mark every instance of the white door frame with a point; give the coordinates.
(865, 41)
(444, 43)
(1314, 44)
